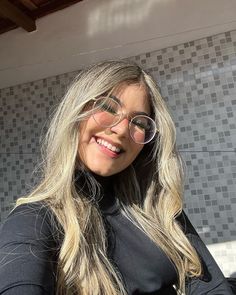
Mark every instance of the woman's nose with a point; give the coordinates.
(121, 128)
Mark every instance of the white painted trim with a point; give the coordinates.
(62, 51)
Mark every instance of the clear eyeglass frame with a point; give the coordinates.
(119, 115)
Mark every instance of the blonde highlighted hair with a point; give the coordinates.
(152, 204)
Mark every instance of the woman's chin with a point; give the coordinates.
(103, 173)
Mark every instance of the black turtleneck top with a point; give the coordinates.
(28, 255)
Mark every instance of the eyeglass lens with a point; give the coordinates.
(107, 113)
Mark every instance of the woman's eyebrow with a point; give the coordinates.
(134, 112)
(116, 99)
(140, 113)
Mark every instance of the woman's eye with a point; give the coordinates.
(108, 108)
(140, 124)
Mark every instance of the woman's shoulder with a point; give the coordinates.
(28, 250)
(31, 211)
(30, 208)
(29, 220)
(185, 224)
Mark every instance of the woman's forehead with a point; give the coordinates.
(132, 96)
(123, 85)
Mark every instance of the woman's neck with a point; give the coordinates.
(104, 197)
(105, 182)
(85, 180)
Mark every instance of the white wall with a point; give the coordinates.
(93, 30)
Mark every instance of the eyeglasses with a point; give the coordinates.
(107, 113)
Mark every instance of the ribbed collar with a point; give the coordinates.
(106, 200)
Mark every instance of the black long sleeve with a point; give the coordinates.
(212, 281)
(28, 256)
(27, 252)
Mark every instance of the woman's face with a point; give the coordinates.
(92, 149)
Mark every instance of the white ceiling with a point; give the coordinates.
(93, 30)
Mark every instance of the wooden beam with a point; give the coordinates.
(29, 4)
(6, 25)
(13, 13)
(52, 6)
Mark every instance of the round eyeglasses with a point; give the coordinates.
(107, 113)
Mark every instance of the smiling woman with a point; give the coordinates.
(107, 217)
(106, 148)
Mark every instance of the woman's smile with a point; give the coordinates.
(109, 148)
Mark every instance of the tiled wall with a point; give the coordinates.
(198, 82)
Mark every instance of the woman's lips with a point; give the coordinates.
(108, 152)
(104, 149)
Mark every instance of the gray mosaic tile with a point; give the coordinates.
(16, 178)
(210, 194)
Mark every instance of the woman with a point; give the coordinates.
(106, 217)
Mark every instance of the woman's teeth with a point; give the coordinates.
(108, 145)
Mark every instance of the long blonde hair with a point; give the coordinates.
(152, 204)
